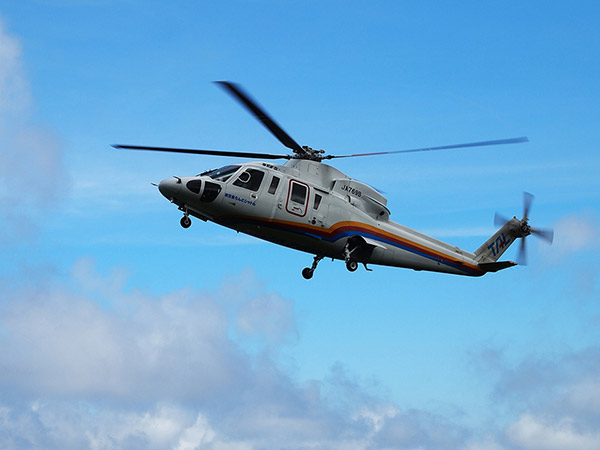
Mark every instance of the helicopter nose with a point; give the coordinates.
(170, 187)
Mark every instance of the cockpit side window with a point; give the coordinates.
(211, 191)
(250, 179)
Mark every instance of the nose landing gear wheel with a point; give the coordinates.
(185, 221)
(351, 265)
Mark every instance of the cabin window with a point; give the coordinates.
(298, 193)
(250, 179)
(317, 201)
(274, 184)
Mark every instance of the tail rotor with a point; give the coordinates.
(523, 229)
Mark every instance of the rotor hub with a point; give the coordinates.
(525, 228)
(310, 154)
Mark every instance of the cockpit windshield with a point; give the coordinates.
(222, 174)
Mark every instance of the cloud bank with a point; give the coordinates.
(90, 362)
(87, 363)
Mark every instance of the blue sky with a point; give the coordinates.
(119, 329)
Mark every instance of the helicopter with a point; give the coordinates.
(307, 205)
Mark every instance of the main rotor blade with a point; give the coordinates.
(237, 92)
(205, 152)
(517, 140)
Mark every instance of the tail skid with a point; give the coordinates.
(496, 266)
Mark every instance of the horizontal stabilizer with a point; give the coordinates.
(496, 266)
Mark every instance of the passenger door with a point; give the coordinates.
(297, 198)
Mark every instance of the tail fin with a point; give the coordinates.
(496, 245)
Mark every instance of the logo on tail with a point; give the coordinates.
(498, 246)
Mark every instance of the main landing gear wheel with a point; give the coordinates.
(351, 265)
(185, 221)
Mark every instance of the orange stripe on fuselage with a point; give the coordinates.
(341, 228)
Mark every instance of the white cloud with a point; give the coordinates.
(584, 395)
(106, 342)
(535, 433)
(32, 175)
(485, 443)
(573, 234)
(89, 363)
(268, 315)
(420, 430)
(573, 256)
(14, 88)
(59, 424)
(555, 398)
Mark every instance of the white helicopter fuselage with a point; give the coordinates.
(313, 207)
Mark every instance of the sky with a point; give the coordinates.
(120, 329)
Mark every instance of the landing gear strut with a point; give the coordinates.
(307, 272)
(351, 265)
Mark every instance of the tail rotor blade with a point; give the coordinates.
(522, 257)
(499, 220)
(544, 234)
(527, 201)
(521, 229)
